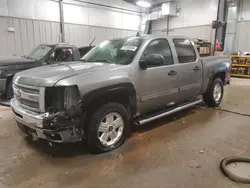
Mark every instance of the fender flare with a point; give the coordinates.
(212, 77)
(115, 89)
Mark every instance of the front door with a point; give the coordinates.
(190, 69)
(156, 85)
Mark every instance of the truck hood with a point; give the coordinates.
(14, 61)
(51, 74)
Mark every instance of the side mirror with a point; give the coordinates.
(151, 61)
(143, 64)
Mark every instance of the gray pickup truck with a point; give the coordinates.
(119, 83)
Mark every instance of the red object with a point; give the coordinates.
(218, 46)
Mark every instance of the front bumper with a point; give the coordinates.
(3, 85)
(32, 123)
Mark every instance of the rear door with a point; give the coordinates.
(157, 84)
(189, 68)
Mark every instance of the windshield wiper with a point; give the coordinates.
(104, 61)
(28, 57)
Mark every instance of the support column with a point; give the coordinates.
(221, 16)
(62, 31)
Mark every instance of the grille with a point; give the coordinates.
(27, 96)
(32, 104)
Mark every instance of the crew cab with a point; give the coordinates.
(44, 54)
(119, 83)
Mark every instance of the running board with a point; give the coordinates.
(177, 109)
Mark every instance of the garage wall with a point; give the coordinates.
(194, 20)
(28, 34)
(37, 21)
(243, 28)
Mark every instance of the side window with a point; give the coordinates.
(62, 54)
(161, 47)
(185, 50)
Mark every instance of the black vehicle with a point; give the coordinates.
(44, 54)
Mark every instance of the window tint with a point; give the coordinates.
(185, 50)
(160, 46)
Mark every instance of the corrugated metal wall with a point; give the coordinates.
(80, 35)
(243, 36)
(204, 32)
(30, 33)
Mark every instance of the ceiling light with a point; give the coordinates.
(143, 4)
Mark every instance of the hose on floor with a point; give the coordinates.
(229, 174)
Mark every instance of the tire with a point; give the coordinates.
(9, 90)
(210, 98)
(99, 141)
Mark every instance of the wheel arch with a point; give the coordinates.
(218, 74)
(123, 93)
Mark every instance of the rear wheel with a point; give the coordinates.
(108, 127)
(214, 95)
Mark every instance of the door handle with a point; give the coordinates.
(172, 73)
(197, 68)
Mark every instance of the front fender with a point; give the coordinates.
(112, 92)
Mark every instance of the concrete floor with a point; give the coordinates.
(182, 151)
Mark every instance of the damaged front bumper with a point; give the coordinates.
(34, 123)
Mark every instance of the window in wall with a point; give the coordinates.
(160, 46)
(185, 50)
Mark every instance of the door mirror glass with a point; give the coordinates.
(154, 60)
(143, 64)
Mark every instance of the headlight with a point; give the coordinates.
(71, 97)
(61, 98)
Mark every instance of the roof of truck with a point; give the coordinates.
(59, 44)
(145, 37)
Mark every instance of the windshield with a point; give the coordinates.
(117, 51)
(39, 52)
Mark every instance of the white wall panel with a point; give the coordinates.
(243, 36)
(81, 35)
(195, 12)
(28, 34)
(204, 32)
(55, 32)
(3, 8)
(14, 45)
(37, 35)
(194, 20)
(246, 10)
(130, 22)
(114, 3)
(46, 10)
(76, 14)
(3, 34)
(24, 36)
(21, 9)
(94, 15)
(158, 25)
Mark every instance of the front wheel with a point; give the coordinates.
(108, 127)
(214, 95)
